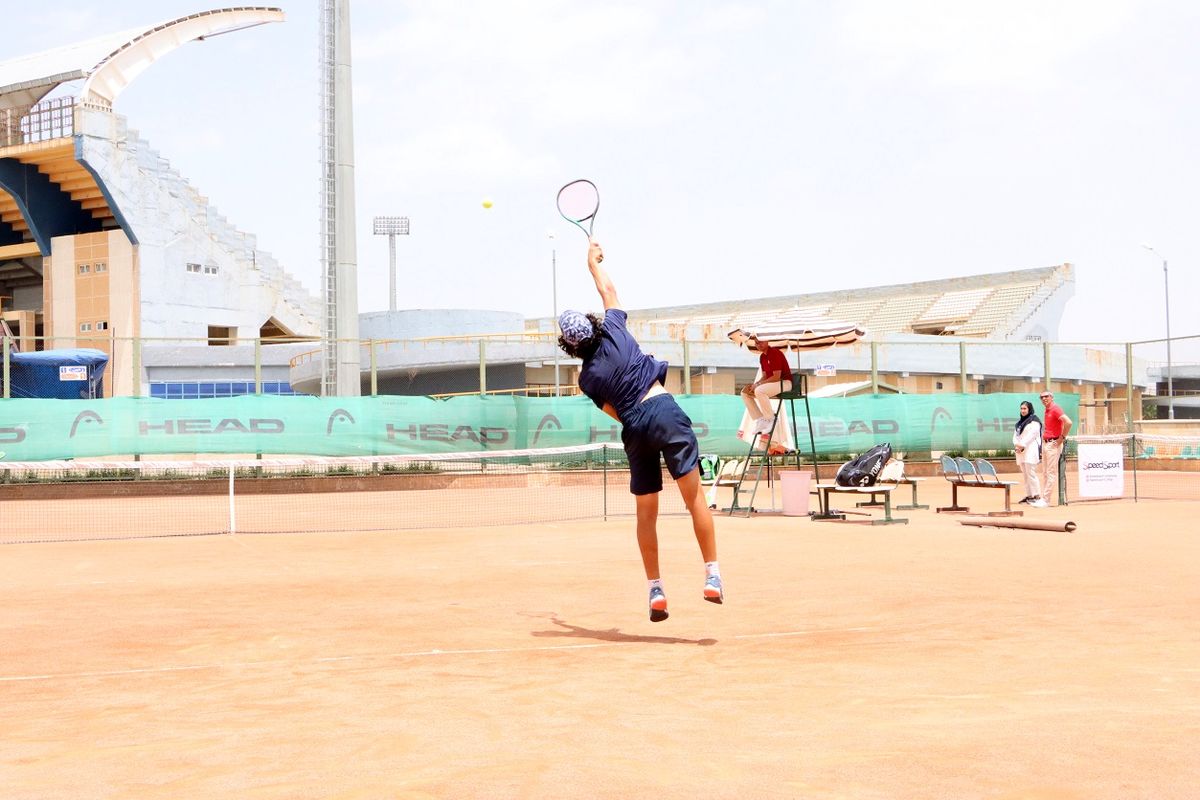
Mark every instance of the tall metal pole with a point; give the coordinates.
(1170, 386)
(1167, 301)
(554, 307)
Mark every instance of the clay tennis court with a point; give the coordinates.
(921, 660)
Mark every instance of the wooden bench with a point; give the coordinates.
(903, 481)
(893, 474)
(885, 491)
(981, 475)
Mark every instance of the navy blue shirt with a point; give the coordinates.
(619, 372)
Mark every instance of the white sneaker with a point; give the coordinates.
(1039, 503)
(763, 424)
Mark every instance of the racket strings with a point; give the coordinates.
(578, 202)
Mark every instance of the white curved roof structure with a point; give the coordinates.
(110, 63)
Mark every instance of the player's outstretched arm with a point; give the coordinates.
(604, 284)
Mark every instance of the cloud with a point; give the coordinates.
(1017, 43)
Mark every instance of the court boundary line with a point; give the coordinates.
(434, 652)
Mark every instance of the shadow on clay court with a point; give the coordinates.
(565, 629)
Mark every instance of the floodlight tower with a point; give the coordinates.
(340, 367)
(391, 227)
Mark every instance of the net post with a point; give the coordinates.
(1062, 473)
(7, 391)
(604, 460)
(232, 510)
(1129, 414)
(1133, 460)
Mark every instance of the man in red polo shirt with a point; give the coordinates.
(776, 378)
(1055, 426)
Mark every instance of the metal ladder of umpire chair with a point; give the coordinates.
(762, 461)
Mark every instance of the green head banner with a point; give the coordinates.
(39, 430)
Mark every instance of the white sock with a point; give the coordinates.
(711, 568)
(656, 584)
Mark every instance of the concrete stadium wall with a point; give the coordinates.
(418, 323)
(173, 225)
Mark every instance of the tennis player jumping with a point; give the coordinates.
(627, 385)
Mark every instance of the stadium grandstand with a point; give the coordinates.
(976, 334)
(104, 245)
(1023, 305)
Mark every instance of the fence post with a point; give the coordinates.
(137, 367)
(483, 366)
(874, 367)
(374, 371)
(1046, 365)
(258, 365)
(687, 368)
(962, 367)
(1129, 384)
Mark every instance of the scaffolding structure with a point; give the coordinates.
(340, 363)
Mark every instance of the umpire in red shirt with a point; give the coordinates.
(776, 378)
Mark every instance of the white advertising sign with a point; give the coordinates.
(825, 370)
(72, 373)
(1101, 470)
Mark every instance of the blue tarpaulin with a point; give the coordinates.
(69, 374)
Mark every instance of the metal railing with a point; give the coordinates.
(49, 119)
(535, 390)
(1117, 383)
(425, 342)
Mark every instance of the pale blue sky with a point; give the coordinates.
(742, 149)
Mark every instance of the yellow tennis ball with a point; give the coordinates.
(487, 203)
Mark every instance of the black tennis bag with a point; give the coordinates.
(864, 470)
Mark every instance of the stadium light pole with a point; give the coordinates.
(391, 227)
(1167, 293)
(554, 303)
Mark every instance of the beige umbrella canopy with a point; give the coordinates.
(791, 330)
(796, 330)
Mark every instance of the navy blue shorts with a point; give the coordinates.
(658, 426)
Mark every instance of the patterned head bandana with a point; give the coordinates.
(575, 326)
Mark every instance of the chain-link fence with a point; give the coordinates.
(1119, 384)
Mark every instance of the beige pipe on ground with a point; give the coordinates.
(1017, 522)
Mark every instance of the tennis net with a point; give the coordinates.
(82, 500)
(1152, 466)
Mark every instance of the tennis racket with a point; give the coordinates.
(578, 202)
